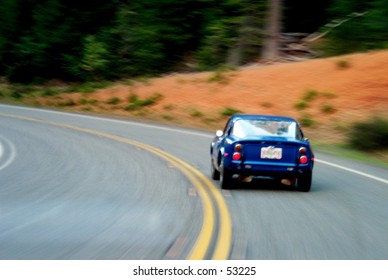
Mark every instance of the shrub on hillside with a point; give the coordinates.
(230, 111)
(370, 135)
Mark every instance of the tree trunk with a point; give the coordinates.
(272, 31)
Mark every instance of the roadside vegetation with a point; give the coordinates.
(49, 62)
(104, 40)
(371, 135)
(313, 98)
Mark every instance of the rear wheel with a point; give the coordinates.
(225, 177)
(304, 182)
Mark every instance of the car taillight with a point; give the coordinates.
(238, 148)
(236, 156)
(303, 159)
(302, 151)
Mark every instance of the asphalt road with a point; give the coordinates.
(72, 187)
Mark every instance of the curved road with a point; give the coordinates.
(85, 187)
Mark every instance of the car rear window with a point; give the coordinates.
(259, 127)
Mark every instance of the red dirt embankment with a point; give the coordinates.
(332, 93)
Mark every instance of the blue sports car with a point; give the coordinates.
(262, 146)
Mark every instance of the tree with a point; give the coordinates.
(377, 24)
(8, 29)
(48, 37)
(234, 33)
(31, 51)
(272, 31)
(105, 39)
(249, 37)
(364, 26)
(94, 61)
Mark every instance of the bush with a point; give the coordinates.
(50, 92)
(137, 103)
(88, 87)
(85, 101)
(307, 121)
(230, 111)
(328, 109)
(67, 103)
(301, 105)
(218, 77)
(370, 135)
(343, 64)
(196, 113)
(113, 100)
(310, 95)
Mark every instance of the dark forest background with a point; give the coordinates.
(112, 39)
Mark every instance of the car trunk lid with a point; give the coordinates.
(270, 151)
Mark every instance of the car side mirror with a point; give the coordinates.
(219, 133)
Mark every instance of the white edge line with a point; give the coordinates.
(111, 120)
(180, 131)
(12, 155)
(352, 171)
(1, 150)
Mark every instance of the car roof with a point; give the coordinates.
(262, 117)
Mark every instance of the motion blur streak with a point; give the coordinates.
(12, 155)
(205, 189)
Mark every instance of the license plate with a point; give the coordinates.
(271, 152)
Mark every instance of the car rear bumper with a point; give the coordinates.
(274, 169)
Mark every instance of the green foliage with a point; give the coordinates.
(216, 45)
(234, 34)
(301, 105)
(307, 98)
(366, 27)
(113, 100)
(50, 92)
(370, 135)
(93, 40)
(136, 103)
(307, 121)
(230, 111)
(343, 64)
(46, 39)
(168, 117)
(88, 87)
(196, 113)
(87, 108)
(86, 101)
(16, 95)
(341, 8)
(95, 58)
(310, 95)
(218, 77)
(67, 103)
(329, 109)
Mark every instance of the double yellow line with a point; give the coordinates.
(213, 203)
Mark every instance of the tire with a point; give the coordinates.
(215, 174)
(225, 178)
(304, 182)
